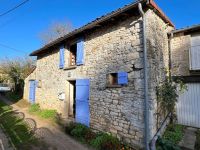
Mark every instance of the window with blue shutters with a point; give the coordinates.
(116, 79)
(62, 57)
(76, 54)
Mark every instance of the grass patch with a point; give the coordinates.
(174, 133)
(172, 136)
(43, 113)
(48, 114)
(16, 128)
(99, 141)
(197, 143)
(34, 108)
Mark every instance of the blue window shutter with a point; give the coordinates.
(122, 78)
(62, 57)
(82, 101)
(80, 52)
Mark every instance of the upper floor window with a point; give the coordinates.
(195, 52)
(72, 56)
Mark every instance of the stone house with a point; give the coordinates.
(185, 64)
(100, 74)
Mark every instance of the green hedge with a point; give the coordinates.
(99, 141)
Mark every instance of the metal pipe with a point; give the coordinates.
(170, 60)
(146, 100)
(159, 132)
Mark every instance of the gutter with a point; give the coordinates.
(146, 99)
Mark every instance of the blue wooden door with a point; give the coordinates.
(32, 86)
(82, 101)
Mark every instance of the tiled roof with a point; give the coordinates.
(187, 29)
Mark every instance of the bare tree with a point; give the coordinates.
(54, 31)
(16, 71)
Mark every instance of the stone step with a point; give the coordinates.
(189, 139)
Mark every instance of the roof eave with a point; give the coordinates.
(186, 29)
(161, 13)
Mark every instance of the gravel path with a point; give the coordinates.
(53, 136)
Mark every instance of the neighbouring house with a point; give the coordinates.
(100, 74)
(185, 64)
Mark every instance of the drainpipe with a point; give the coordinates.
(146, 101)
(170, 60)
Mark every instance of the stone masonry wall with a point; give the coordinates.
(158, 65)
(180, 45)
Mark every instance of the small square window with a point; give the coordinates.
(72, 58)
(113, 79)
(117, 79)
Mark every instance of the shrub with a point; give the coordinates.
(13, 96)
(34, 108)
(167, 95)
(79, 131)
(197, 144)
(89, 136)
(100, 141)
(163, 144)
(105, 141)
(174, 133)
(70, 127)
